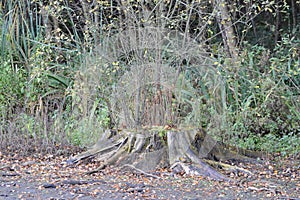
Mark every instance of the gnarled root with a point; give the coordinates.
(148, 150)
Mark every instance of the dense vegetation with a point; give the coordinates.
(235, 66)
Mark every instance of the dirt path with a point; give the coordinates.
(50, 178)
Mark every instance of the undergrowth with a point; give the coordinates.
(60, 74)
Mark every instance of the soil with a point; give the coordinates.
(49, 177)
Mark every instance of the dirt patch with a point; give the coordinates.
(50, 178)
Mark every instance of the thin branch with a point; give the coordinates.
(141, 171)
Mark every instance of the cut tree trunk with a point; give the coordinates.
(149, 149)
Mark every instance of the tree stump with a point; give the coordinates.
(149, 149)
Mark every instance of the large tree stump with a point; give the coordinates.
(149, 149)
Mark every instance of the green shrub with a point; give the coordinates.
(264, 100)
(12, 89)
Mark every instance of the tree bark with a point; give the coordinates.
(277, 23)
(183, 150)
(294, 14)
(226, 27)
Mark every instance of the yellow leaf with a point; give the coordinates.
(115, 63)
(259, 8)
(269, 9)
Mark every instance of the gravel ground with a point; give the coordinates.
(49, 179)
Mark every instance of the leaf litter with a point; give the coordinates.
(49, 177)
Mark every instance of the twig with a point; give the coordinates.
(4, 166)
(7, 174)
(263, 189)
(289, 198)
(141, 171)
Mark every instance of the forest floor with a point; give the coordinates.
(49, 177)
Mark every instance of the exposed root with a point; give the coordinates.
(229, 167)
(146, 150)
(110, 161)
(179, 149)
(103, 147)
(205, 169)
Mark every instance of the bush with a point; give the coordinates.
(264, 100)
(12, 89)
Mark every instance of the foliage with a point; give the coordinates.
(268, 106)
(12, 89)
(288, 144)
(72, 68)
